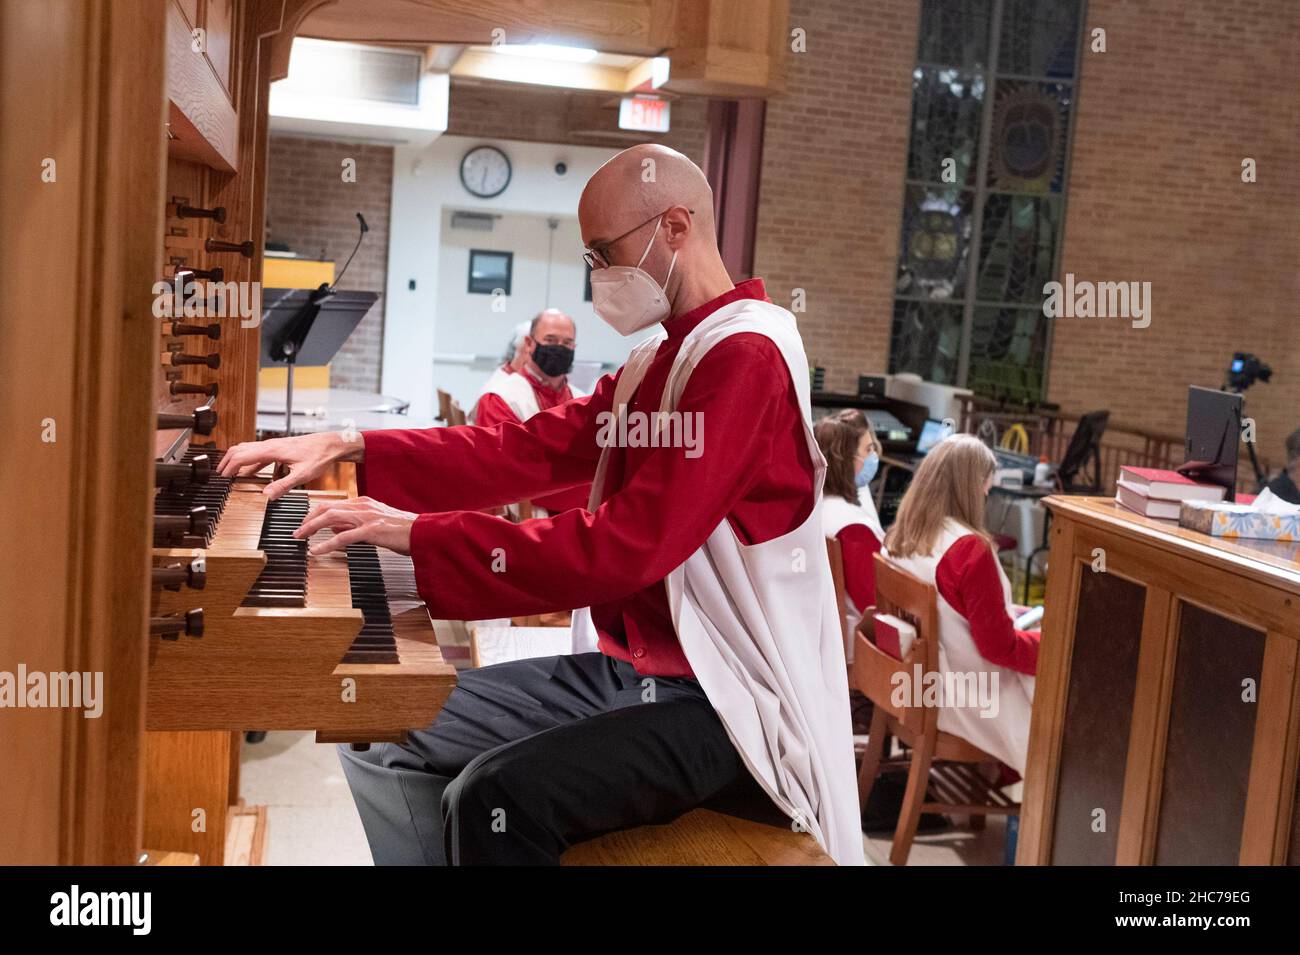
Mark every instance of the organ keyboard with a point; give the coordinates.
(341, 644)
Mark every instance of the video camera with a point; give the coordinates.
(1245, 370)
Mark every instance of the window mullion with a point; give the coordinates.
(981, 191)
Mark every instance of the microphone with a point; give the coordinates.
(290, 340)
(364, 229)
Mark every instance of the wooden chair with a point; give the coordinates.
(444, 406)
(455, 413)
(942, 762)
(835, 552)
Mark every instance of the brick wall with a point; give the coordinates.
(311, 208)
(1183, 93)
(834, 157)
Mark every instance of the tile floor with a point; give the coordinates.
(311, 819)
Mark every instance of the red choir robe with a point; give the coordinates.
(755, 471)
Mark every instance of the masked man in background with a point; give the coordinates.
(536, 379)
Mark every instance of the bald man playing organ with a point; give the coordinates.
(709, 644)
(535, 379)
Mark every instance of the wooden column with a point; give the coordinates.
(81, 85)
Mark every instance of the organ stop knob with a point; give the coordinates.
(171, 626)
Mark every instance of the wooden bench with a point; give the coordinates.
(737, 827)
(700, 837)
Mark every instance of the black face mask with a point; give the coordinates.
(553, 360)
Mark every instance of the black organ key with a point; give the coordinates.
(376, 642)
(283, 581)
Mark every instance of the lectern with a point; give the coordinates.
(1166, 715)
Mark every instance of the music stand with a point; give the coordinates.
(308, 325)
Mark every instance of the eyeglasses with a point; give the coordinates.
(597, 257)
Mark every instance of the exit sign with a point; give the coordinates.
(647, 114)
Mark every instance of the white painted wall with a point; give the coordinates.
(438, 317)
(468, 324)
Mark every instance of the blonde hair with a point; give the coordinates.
(949, 483)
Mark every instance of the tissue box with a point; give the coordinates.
(1221, 519)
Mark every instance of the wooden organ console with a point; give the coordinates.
(186, 589)
(133, 176)
(340, 644)
(248, 632)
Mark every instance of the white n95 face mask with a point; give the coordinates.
(627, 297)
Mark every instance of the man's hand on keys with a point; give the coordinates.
(306, 457)
(358, 519)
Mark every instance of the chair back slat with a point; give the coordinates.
(911, 599)
(835, 553)
(455, 414)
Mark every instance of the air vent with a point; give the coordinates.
(358, 93)
(473, 221)
(355, 72)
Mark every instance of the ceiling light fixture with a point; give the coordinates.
(547, 51)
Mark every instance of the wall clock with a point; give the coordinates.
(485, 171)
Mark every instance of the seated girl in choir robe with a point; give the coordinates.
(848, 514)
(939, 536)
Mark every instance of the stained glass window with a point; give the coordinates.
(984, 202)
(935, 241)
(946, 110)
(927, 339)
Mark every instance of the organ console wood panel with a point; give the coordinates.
(1207, 723)
(202, 120)
(731, 48)
(151, 138)
(186, 807)
(81, 100)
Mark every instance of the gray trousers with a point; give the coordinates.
(529, 756)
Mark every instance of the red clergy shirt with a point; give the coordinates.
(492, 410)
(659, 505)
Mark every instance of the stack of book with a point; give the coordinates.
(1155, 492)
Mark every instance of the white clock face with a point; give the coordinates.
(485, 171)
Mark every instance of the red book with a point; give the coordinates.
(1170, 485)
(893, 634)
(1134, 497)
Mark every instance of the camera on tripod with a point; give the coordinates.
(1245, 370)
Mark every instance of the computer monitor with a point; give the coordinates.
(932, 432)
(1213, 438)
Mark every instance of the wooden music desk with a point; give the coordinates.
(1167, 708)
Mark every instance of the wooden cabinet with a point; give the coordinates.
(1167, 708)
(219, 22)
(203, 123)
